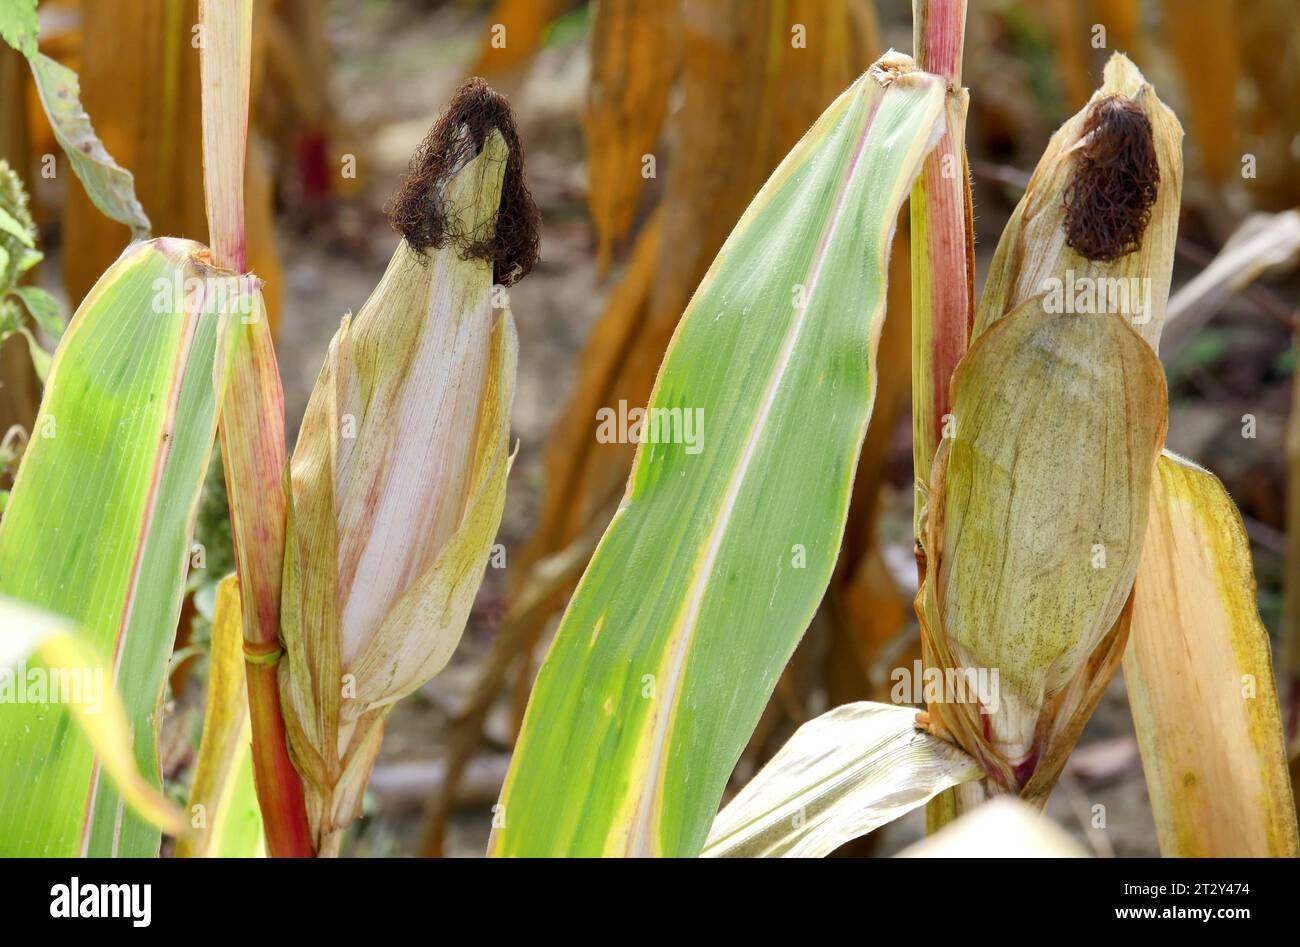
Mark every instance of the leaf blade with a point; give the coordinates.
(19, 25)
(1215, 759)
(643, 776)
(133, 396)
(838, 777)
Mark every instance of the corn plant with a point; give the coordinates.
(357, 558)
(1055, 539)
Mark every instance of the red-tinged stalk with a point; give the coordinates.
(252, 424)
(943, 267)
(943, 277)
(253, 452)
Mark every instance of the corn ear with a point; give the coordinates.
(398, 484)
(1199, 663)
(1060, 411)
(1037, 511)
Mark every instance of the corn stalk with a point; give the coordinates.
(252, 423)
(943, 264)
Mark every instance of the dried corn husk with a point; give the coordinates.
(1034, 533)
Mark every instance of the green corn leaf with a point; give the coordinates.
(98, 529)
(726, 537)
(840, 776)
(109, 186)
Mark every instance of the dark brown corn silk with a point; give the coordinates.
(1116, 180)
(419, 213)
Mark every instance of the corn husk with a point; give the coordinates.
(398, 483)
(1034, 533)
(1037, 501)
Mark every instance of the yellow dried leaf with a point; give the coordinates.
(217, 825)
(1199, 663)
(635, 53)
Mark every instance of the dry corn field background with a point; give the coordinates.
(723, 428)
